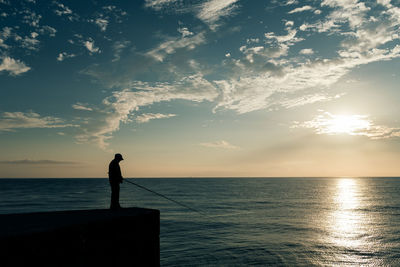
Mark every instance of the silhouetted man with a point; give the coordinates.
(115, 178)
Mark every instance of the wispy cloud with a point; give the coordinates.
(301, 9)
(30, 42)
(117, 108)
(38, 162)
(158, 4)
(209, 11)
(254, 91)
(185, 31)
(63, 10)
(13, 66)
(118, 48)
(5, 33)
(306, 51)
(261, 73)
(219, 144)
(48, 30)
(11, 37)
(305, 99)
(212, 11)
(255, 87)
(102, 23)
(170, 45)
(146, 117)
(10, 121)
(291, 2)
(81, 106)
(31, 18)
(64, 55)
(290, 38)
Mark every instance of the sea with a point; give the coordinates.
(244, 221)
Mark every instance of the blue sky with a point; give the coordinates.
(200, 88)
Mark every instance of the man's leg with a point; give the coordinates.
(114, 196)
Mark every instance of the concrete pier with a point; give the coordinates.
(127, 237)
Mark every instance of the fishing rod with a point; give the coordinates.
(170, 199)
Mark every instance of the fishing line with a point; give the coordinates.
(170, 199)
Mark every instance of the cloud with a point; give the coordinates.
(262, 73)
(219, 144)
(306, 51)
(185, 32)
(81, 106)
(252, 40)
(38, 162)
(304, 99)
(118, 47)
(290, 38)
(362, 125)
(63, 10)
(3, 45)
(64, 55)
(351, 13)
(254, 91)
(114, 12)
(169, 46)
(263, 52)
(102, 23)
(300, 9)
(158, 4)
(291, 2)
(30, 43)
(91, 47)
(209, 11)
(31, 18)
(5, 33)
(151, 116)
(252, 87)
(14, 67)
(385, 3)
(10, 121)
(212, 11)
(117, 108)
(367, 33)
(354, 12)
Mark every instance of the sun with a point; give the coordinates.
(347, 124)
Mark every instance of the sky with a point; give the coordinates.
(200, 88)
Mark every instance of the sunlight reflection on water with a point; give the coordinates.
(349, 226)
(347, 221)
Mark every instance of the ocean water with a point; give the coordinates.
(248, 221)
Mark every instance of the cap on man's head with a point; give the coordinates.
(118, 156)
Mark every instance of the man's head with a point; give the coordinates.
(118, 157)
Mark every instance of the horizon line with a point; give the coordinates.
(208, 177)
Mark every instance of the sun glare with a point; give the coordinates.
(347, 124)
(328, 123)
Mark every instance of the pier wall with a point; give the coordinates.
(127, 237)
